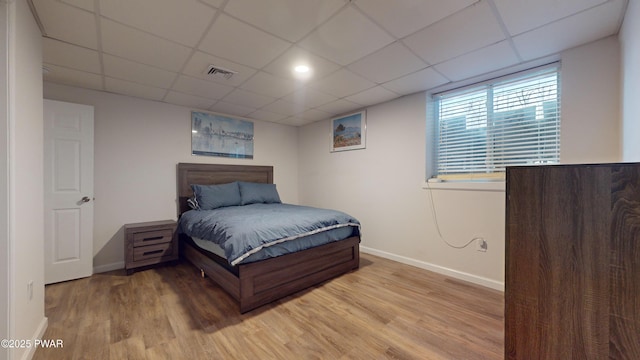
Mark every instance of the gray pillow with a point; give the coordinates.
(252, 193)
(211, 197)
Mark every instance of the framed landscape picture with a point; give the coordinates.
(217, 135)
(349, 132)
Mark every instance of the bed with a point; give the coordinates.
(260, 282)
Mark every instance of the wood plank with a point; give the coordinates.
(573, 262)
(383, 310)
(557, 255)
(624, 321)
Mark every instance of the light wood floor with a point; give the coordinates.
(383, 310)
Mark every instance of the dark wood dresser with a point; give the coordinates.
(150, 243)
(572, 281)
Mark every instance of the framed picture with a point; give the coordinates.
(217, 135)
(349, 132)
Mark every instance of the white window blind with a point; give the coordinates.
(512, 121)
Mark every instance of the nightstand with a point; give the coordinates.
(150, 243)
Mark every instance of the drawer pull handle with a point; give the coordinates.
(153, 252)
(153, 238)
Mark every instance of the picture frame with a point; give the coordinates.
(220, 135)
(349, 132)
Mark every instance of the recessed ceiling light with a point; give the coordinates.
(302, 69)
(302, 72)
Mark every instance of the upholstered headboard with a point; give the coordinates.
(210, 174)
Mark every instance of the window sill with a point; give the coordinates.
(495, 186)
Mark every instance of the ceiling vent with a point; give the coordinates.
(220, 72)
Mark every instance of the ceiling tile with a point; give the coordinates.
(199, 63)
(248, 99)
(266, 116)
(177, 98)
(236, 41)
(132, 89)
(389, 63)
(128, 70)
(284, 108)
(463, 32)
(148, 46)
(294, 121)
(288, 19)
(70, 56)
(267, 84)
(339, 106)
(202, 88)
(83, 4)
(309, 98)
(183, 21)
(403, 17)
(67, 76)
(142, 47)
(346, 37)
(485, 60)
(231, 109)
(61, 21)
(582, 28)
(214, 3)
(373, 96)
(284, 64)
(521, 16)
(342, 83)
(418, 81)
(314, 115)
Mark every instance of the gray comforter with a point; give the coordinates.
(244, 230)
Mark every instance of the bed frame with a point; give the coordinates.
(261, 282)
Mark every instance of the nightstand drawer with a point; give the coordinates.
(150, 243)
(152, 237)
(152, 251)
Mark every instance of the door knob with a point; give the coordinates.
(85, 199)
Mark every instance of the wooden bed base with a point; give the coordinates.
(262, 282)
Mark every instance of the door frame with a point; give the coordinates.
(5, 185)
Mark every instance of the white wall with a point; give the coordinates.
(137, 146)
(630, 74)
(4, 184)
(382, 185)
(590, 130)
(26, 237)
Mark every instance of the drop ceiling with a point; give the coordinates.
(362, 52)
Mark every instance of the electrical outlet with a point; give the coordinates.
(481, 245)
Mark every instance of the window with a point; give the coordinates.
(482, 129)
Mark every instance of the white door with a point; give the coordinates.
(68, 191)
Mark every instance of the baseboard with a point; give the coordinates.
(38, 336)
(108, 267)
(479, 280)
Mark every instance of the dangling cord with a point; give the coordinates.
(435, 220)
